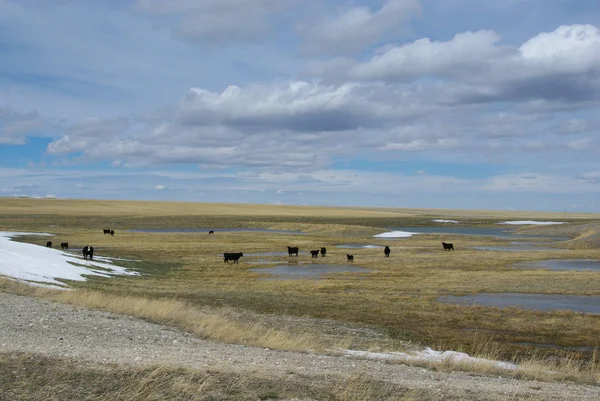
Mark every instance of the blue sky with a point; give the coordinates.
(404, 103)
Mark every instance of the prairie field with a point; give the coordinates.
(184, 282)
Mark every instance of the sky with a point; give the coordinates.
(470, 104)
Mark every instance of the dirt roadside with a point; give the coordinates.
(57, 330)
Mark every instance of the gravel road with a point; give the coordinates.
(58, 330)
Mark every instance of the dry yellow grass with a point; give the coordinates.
(191, 319)
(78, 207)
(81, 207)
(398, 298)
(34, 377)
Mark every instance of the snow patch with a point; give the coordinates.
(395, 234)
(444, 221)
(430, 355)
(531, 222)
(38, 265)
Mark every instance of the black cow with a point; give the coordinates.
(88, 251)
(211, 232)
(49, 244)
(112, 232)
(350, 257)
(323, 252)
(448, 246)
(232, 256)
(292, 250)
(64, 246)
(106, 231)
(315, 254)
(387, 251)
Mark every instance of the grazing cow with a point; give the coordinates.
(112, 232)
(387, 251)
(350, 257)
(88, 251)
(315, 254)
(232, 256)
(49, 244)
(106, 231)
(64, 246)
(448, 246)
(211, 232)
(292, 250)
(323, 252)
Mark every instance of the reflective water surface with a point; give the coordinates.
(542, 302)
(359, 246)
(216, 230)
(502, 232)
(562, 264)
(516, 246)
(307, 271)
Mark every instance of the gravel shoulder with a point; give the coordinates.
(58, 330)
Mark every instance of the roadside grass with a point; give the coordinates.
(398, 298)
(315, 336)
(35, 377)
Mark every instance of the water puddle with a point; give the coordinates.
(215, 230)
(541, 302)
(282, 253)
(307, 271)
(562, 264)
(359, 246)
(516, 246)
(500, 232)
(265, 262)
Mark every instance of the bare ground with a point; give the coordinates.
(56, 330)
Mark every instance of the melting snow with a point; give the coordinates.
(395, 234)
(444, 221)
(34, 263)
(429, 355)
(525, 222)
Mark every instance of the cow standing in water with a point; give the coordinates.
(292, 250)
(314, 254)
(323, 252)
(49, 244)
(64, 246)
(387, 251)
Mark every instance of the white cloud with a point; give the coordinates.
(569, 49)
(563, 65)
(591, 177)
(466, 53)
(473, 102)
(580, 144)
(216, 21)
(356, 27)
(303, 125)
(16, 126)
(159, 187)
(537, 182)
